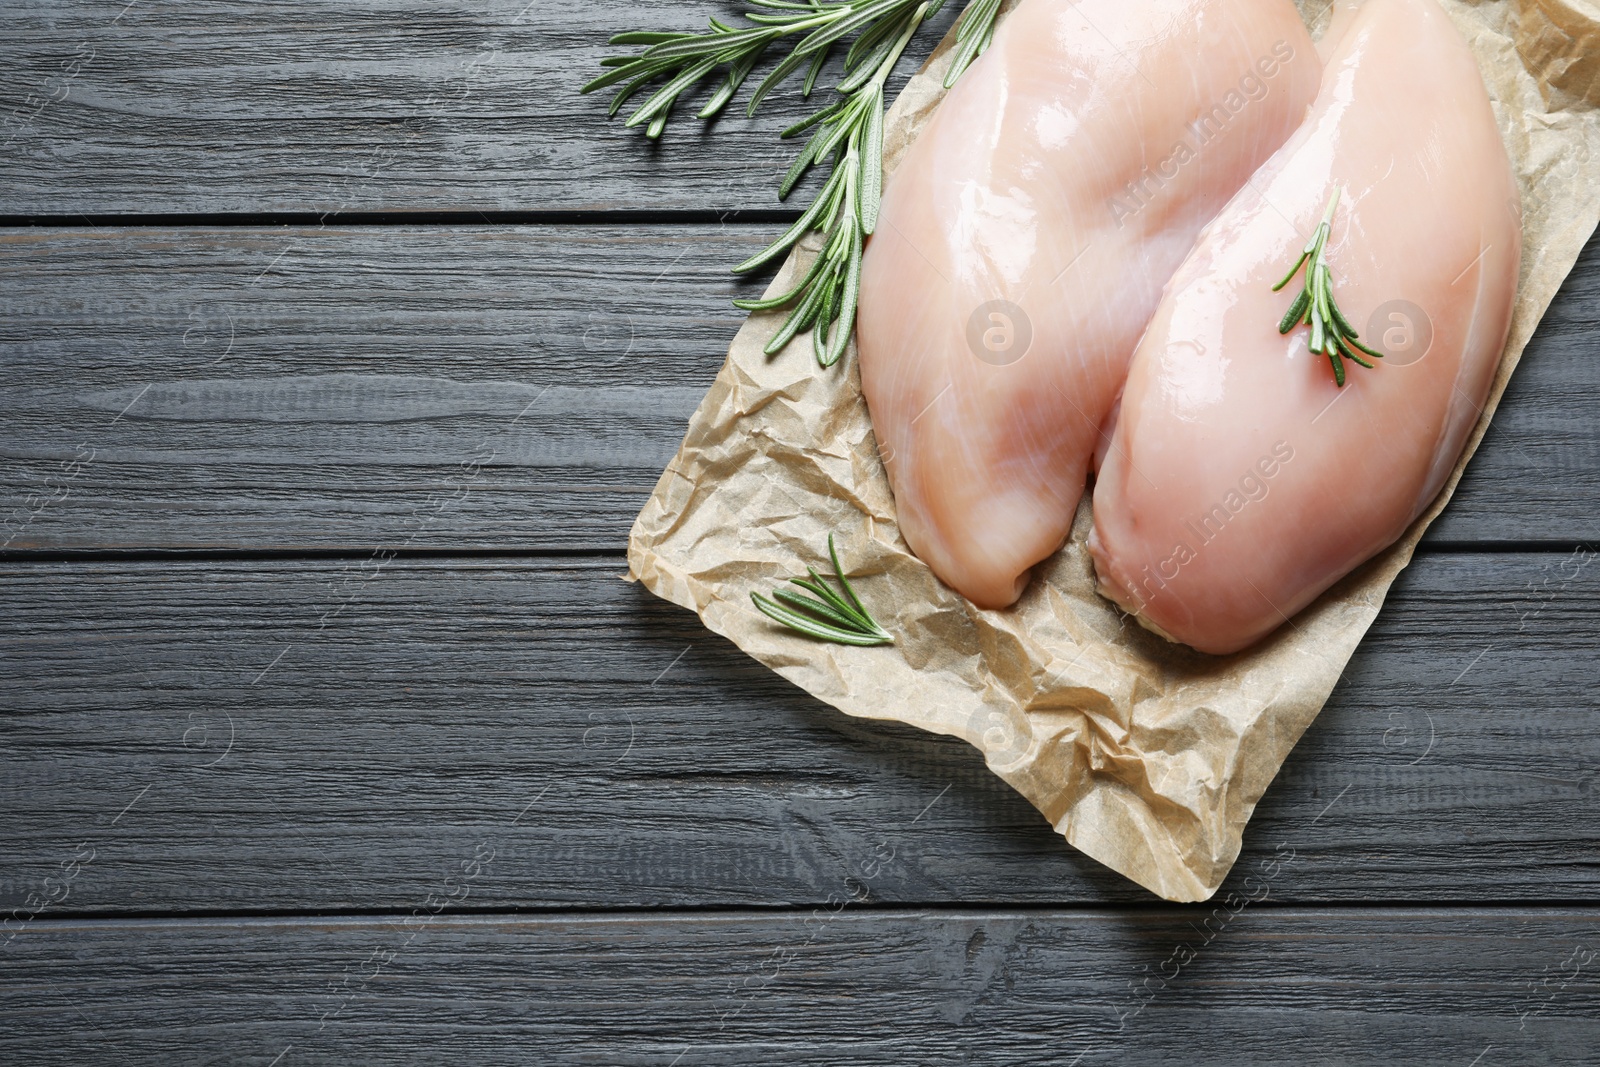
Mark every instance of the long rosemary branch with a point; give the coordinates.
(848, 133)
(845, 210)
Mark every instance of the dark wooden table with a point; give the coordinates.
(339, 349)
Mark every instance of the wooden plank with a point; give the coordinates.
(308, 388)
(315, 106)
(503, 387)
(325, 735)
(1454, 987)
(1537, 444)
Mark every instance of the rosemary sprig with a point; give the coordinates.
(850, 130)
(845, 210)
(829, 616)
(685, 60)
(1331, 333)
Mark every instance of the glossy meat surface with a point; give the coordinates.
(1023, 245)
(1241, 481)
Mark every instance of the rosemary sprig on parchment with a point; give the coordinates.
(848, 134)
(1331, 333)
(829, 616)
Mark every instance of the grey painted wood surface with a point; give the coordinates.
(319, 106)
(323, 735)
(260, 389)
(497, 810)
(264, 389)
(838, 985)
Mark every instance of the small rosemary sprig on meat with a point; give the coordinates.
(1331, 333)
(830, 616)
(848, 133)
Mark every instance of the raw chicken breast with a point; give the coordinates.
(1241, 481)
(1022, 248)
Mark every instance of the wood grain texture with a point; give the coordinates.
(392, 105)
(849, 985)
(272, 389)
(509, 387)
(311, 735)
(240, 799)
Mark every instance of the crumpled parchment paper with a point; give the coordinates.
(1145, 755)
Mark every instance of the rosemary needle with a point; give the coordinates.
(827, 615)
(1331, 333)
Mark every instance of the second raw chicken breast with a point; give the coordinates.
(1243, 479)
(1023, 245)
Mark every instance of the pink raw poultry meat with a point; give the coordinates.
(1241, 481)
(1065, 177)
